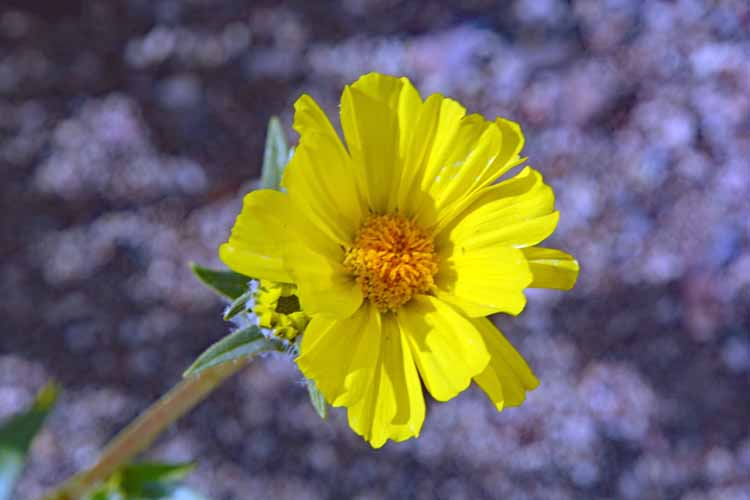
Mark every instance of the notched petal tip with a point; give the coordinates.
(507, 378)
(310, 120)
(513, 142)
(552, 268)
(512, 128)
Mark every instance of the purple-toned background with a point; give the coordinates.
(130, 130)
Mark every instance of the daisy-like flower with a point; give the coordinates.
(400, 243)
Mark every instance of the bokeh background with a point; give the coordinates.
(130, 129)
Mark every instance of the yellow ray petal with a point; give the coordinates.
(323, 285)
(447, 348)
(484, 281)
(411, 408)
(393, 404)
(507, 377)
(320, 177)
(257, 239)
(274, 240)
(513, 142)
(475, 156)
(551, 268)
(438, 120)
(518, 212)
(378, 113)
(446, 164)
(467, 167)
(341, 355)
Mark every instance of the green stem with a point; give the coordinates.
(139, 435)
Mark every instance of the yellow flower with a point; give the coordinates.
(400, 244)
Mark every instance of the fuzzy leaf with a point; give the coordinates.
(275, 156)
(237, 306)
(243, 342)
(317, 399)
(226, 283)
(17, 434)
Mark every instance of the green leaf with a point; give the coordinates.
(275, 155)
(227, 283)
(237, 306)
(152, 480)
(317, 399)
(243, 342)
(135, 475)
(17, 434)
(147, 481)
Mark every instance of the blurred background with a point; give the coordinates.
(129, 131)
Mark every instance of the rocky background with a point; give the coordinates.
(130, 130)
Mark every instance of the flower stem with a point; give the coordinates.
(139, 435)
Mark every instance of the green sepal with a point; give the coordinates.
(226, 283)
(237, 306)
(238, 344)
(317, 399)
(17, 434)
(275, 156)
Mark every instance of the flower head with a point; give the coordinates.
(400, 243)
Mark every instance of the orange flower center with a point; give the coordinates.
(393, 259)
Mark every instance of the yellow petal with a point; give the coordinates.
(341, 355)
(257, 239)
(323, 285)
(513, 141)
(484, 281)
(470, 166)
(411, 410)
(447, 348)
(445, 167)
(518, 212)
(393, 404)
(274, 240)
(551, 268)
(507, 377)
(409, 107)
(378, 113)
(475, 156)
(320, 177)
(438, 120)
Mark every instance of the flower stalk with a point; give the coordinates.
(139, 435)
